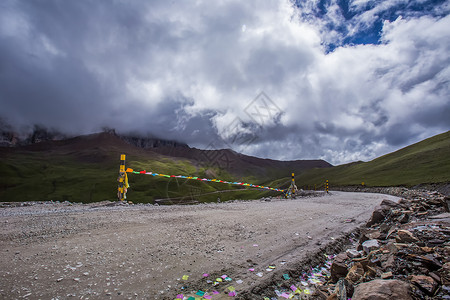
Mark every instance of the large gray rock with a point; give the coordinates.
(380, 289)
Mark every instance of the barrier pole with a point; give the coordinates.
(292, 188)
(121, 190)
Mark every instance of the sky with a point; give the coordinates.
(338, 80)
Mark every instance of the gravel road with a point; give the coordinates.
(57, 250)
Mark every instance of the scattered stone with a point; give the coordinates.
(388, 261)
(355, 273)
(441, 216)
(426, 249)
(377, 217)
(370, 245)
(389, 204)
(416, 264)
(404, 218)
(435, 277)
(405, 236)
(428, 261)
(339, 267)
(436, 242)
(353, 253)
(425, 283)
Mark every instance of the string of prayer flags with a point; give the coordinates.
(129, 170)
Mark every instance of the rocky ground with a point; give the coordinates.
(63, 250)
(421, 189)
(268, 249)
(403, 252)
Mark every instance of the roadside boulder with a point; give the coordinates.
(380, 289)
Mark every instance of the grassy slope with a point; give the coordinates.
(40, 176)
(60, 172)
(87, 173)
(425, 162)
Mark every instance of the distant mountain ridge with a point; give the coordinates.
(241, 164)
(10, 138)
(85, 168)
(235, 163)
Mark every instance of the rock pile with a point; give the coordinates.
(403, 253)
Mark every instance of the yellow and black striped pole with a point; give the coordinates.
(121, 192)
(326, 186)
(292, 188)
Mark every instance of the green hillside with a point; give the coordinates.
(85, 169)
(425, 162)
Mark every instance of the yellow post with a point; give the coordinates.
(326, 186)
(121, 190)
(292, 188)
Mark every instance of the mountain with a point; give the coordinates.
(10, 138)
(425, 162)
(243, 166)
(85, 169)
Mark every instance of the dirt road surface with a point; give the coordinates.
(96, 251)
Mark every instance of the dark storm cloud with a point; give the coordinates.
(193, 71)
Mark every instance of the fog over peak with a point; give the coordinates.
(334, 80)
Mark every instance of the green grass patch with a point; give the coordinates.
(425, 162)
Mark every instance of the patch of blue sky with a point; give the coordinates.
(349, 22)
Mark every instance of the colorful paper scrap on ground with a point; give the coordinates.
(129, 170)
(296, 288)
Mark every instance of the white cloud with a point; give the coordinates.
(187, 71)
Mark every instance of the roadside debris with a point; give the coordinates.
(403, 253)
